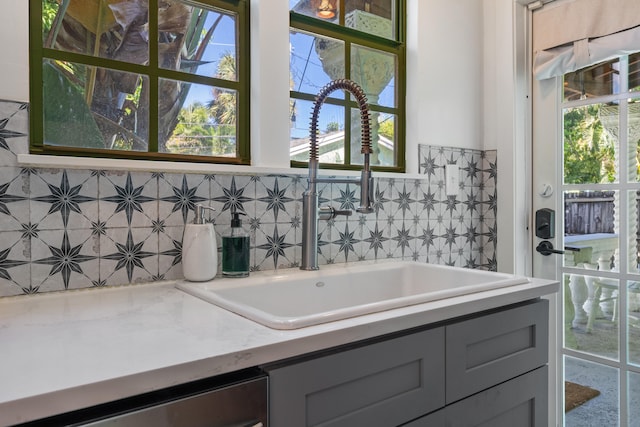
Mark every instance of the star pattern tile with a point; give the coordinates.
(6, 133)
(277, 200)
(376, 240)
(6, 264)
(345, 242)
(65, 260)
(64, 198)
(275, 246)
(346, 197)
(184, 198)
(129, 199)
(404, 201)
(129, 255)
(7, 198)
(233, 198)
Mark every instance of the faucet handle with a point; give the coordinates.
(329, 212)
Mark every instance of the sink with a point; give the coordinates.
(292, 299)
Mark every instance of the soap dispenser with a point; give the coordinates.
(235, 249)
(199, 248)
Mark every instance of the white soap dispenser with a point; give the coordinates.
(199, 248)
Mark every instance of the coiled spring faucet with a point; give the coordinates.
(311, 213)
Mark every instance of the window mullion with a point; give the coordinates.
(35, 75)
(153, 76)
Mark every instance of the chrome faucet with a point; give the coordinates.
(311, 213)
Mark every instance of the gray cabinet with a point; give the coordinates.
(520, 402)
(491, 349)
(484, 370)
(382, 384)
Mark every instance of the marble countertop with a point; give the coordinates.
(65, 351)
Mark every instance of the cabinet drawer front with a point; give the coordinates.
(491, 349)
(521, 402)
(383, 384)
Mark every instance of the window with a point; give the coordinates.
(360, 40)
(99, 88)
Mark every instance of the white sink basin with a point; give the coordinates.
(292, 299)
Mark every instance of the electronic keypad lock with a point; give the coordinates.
(545, 223)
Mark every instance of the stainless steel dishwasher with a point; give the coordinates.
(233, 400)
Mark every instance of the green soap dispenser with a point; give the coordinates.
(235, 249)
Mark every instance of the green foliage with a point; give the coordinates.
(223, 107)
(49, 11)
(387, 129)
(333, 127)
(589, 156)
(197, 133)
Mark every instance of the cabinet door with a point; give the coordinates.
(383, 384)
(521, 402)
(494, 348)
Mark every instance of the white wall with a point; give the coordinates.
(14, 50)
(460, 87)
(444, 74)
(506, 110)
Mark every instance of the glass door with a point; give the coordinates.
(599, 194)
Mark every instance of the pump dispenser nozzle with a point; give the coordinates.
(198, 210)
(235, 218)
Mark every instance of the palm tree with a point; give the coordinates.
(223, 106)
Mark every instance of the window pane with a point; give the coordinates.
(107, 29)
(590, 144)
(603, 410)
(382, 139)
(206, 123)
(197, 41)
(633, 289)
(634, 72)
(590, 229)
(634, 398)
(375, 72)
(327, 10)
(591, 315)
(598, 80)
(314, 61)
(634, 140)
(371, 17)
(92, 107)
(330, 133)
(633, 200)
(386, 141)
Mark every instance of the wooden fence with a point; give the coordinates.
(589, 212)
(593, 212)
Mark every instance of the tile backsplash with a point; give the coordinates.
(67, 229)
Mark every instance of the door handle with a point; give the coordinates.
(546, 248)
